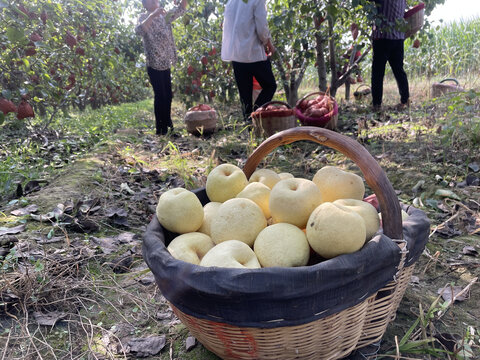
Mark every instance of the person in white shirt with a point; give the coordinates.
(247, 43)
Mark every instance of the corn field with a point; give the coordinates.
(450, 50)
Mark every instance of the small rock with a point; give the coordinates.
(190, 343)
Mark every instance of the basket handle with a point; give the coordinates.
(359, 86)
(450, 79)
(373, 173)
(275, 102)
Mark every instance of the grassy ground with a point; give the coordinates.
(76, 267)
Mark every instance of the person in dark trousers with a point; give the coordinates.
(247, 43)
(155, 28)
(388, 47)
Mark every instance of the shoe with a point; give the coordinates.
(376, 108)
(402, 106)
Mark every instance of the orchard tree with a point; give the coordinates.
(201, 75)
(57, 55)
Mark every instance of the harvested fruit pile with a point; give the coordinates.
(200, 107)
(317, 107)
(270, 220)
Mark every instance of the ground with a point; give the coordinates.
(75, 285)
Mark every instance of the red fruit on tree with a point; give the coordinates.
(358, 54)
(354, 30)
(71, 78)
(7, 106)
(79, 51)
(318, 20)
(117, 50)
(30, 49)
(359, 78)
(24, 110)
(24, 10)
(204, 60)
(416, 44)
(35, 37)
(70, 40)
(213, 51)
(190, 70)
(44, 17)
(212, 94)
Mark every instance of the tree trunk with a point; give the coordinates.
(333, 62)
(321, 65)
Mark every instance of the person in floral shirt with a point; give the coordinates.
(155, 28)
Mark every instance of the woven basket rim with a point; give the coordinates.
(414, 10)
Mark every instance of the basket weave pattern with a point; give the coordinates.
(332, 337)
(415, 19)
(267, 123)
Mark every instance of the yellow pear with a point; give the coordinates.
(237, 219)
(334, 183)
(366, 211)
(293, 200)
(265, 176)
(333, 230)
(259, 193)
(209, 210)
(224, 182)
(285, 175)
(231, 254)
(180, 211)
(190, 247)
(282, 244)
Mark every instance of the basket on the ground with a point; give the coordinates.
(415, 18)
(322, 311)
(327, 120)
(445, 86)
(272, 117)
(201, 122)
(363, 93)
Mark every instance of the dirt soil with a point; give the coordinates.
(74, 284)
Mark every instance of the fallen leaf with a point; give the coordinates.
(144, 347)
(48, 319)
(126, 188)
(447, 193)
(449, 292)
(470, 250)
(12, 230)
(25, 211)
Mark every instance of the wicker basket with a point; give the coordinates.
(328, 121)
(415, 18)
(331, 335)
(268, 122)
(441, 88)
(201, 122)
(363, 93)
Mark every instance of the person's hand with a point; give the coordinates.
(270, 49)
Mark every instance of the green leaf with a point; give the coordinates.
(2, 118)
(26, 62)
(447, 193)
(15, 35)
